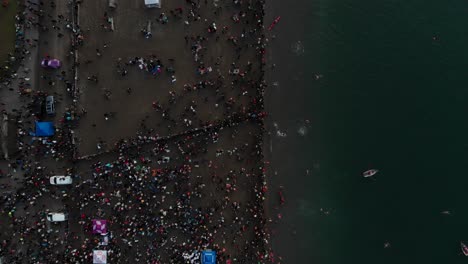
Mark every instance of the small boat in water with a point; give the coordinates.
(274, 23)
(464, 249)
(369, 173)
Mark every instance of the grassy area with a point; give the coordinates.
(7, 30)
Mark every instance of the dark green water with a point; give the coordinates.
(391, 98)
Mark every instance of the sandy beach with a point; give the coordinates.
(158, 121)
(7, 31)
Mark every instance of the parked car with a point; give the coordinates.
(61, 180)
(51, 63)
(50, 105)
(57, 217)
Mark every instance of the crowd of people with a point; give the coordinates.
(166, 197)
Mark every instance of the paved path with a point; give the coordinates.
(56, 42)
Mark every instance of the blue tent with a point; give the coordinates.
(208, 257)
(44, 129)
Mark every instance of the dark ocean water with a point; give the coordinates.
(393, 95)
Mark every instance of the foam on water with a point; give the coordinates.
(298, 48)
(302, 131)
(279, 133)
(304, 208)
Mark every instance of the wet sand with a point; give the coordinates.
(290, 131)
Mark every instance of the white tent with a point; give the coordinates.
(99, 257)
(153, 3)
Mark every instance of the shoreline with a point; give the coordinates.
(290, 129)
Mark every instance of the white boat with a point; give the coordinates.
(369, 173)
(464, 249)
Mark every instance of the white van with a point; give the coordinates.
(61, 180)
(153, 3)
(57, 217)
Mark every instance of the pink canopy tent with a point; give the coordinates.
(99, 226)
